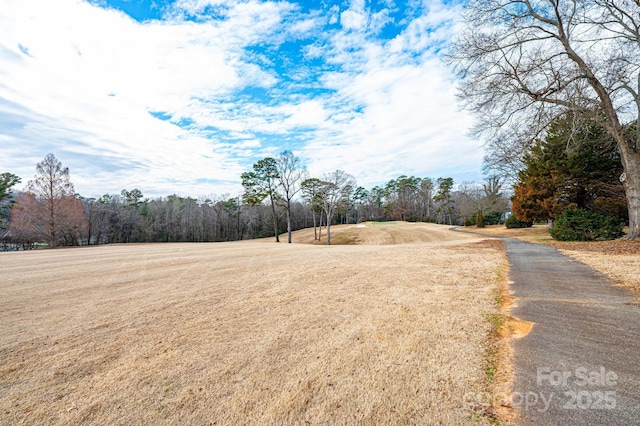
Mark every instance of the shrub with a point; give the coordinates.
(583, 225)
(492, 218)
(513, 222)
(480, 220)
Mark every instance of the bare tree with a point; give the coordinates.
(97, 215)
(56, 198)
(485, 198)
(467, 197)
(23, 228)
(72, 223)
(425, 198)
(526, 62)
(334, 186)
(290, 174)
(132, 203)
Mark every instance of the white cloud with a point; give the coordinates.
(97, 74)
(334, 14)
(305, 26)
(356, 17)
(83, 81)
(409, 124)
(351, 20)
(306, 114)
(395, 113)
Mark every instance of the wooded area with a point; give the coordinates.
(554, 88)
(50, 212)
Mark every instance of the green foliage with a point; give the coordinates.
(105, 200)
(479, 220)
(133, 198)
(7, 180)
(444, 198)
(261, 182)
(571, 168)
(445, 185)
(492, 218)
(514, 222)
(583, 225)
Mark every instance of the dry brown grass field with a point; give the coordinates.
(619, 259)
(393, 330)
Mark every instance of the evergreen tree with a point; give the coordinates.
(7, 181)
(570, 169)
(261, 183)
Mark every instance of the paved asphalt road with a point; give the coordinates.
(580, 364)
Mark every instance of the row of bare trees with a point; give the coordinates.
(279, 196)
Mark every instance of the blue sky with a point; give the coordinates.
(183, 96)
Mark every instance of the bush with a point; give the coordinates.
(513, 222)
(583, 225)
(480, 220)
(492, 218)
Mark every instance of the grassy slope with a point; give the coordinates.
(249, 332)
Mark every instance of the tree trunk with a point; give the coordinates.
(289, 222)
(628, 154)
(328, 232)
(275, 219)
(315, 231)
(52, 224)
(238, 222)
(631, 182)
(631, 178)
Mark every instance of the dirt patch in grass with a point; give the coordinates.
(249, 332)
(499, 352)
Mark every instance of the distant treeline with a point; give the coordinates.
(62, 217)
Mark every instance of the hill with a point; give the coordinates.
(393, 331)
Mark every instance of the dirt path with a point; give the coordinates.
(249, 332)
(579, 363)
